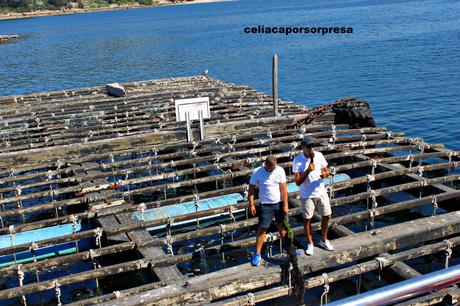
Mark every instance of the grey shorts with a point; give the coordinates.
(321, 203)
(269, 211)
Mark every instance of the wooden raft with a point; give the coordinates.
(82, 156)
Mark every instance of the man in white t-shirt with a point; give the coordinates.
(273, 197)
(309, 168)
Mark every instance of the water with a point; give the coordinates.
(402, 57)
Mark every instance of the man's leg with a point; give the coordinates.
(325, 221)
(260, 239)
(325, 211)
(307, 227)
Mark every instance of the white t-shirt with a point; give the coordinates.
(269, 184)
(313, 185)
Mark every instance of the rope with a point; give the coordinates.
(358, 282)
(434, 202)
(141, 209)
(169, 240)
(251, 299)
(382, 261)
(203, 262)
(448, 252)
(18, 190)
(410, 158)
(73, 220)
(326, 289)
(98, 231)
(245, 191)
(196, 201)
(373, 198)
(118, 294)
(374, 166)
(11, 231)
(21, 282)
(420, 171)
(57, 290)
(371, 217)
(230, 213)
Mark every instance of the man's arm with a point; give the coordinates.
(284, 195)
(299, 177)
(252, 208)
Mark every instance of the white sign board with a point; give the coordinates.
(193, 106)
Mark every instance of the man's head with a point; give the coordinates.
(270, 163)
(307, 144)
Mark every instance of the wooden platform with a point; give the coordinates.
(82, 155)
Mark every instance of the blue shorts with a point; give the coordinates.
(268, 211)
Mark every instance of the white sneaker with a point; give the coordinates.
(326, 245)
(309, 250)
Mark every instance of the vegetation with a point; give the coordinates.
(36, 5)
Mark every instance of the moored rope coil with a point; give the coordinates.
(448, 252)
(326, 289)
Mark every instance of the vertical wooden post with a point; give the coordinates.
(275, 84)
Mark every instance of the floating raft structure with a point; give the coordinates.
(104, 201)
(8, 38)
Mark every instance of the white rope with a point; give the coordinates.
(141, 209)
(373, 198)
(21, 282)
(98, 231)
(448, 252)
(118, 294)
(269, 135)
(371, 217)
(326, 289)
(382, 261)
(168, 239)
(420, 171)
(245, 191)
(203, 262)
(230, 213)
(73, 220)
(18, 190)
(11, 231)
(57, 290)
(434, 202)
(251, 299)
(374, 166)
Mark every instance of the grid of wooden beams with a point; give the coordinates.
(49, 168)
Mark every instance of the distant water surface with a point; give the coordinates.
(403, 56)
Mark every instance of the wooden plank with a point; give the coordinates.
(244, 278)
(165, 274)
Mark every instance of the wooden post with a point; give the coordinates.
(275, 84)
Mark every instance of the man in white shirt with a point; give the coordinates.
(309, 168)
(273, 197)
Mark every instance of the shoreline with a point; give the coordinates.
(14, 15)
